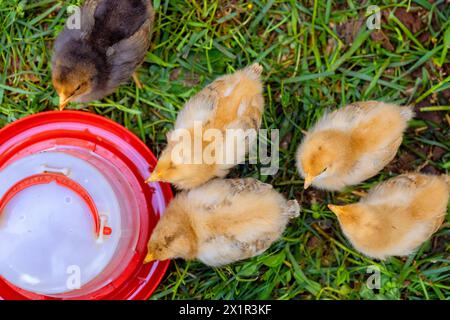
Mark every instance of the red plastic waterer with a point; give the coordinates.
(75, 212)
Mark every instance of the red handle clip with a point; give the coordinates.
(62, 180)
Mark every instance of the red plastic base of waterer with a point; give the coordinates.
(80, 129)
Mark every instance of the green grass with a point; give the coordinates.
(309, 67)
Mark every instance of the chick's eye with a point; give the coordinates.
(79, 87)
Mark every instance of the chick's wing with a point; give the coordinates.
(126, 55)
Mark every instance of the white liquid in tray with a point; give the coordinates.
(48, 243)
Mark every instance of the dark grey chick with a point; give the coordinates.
(92, 61)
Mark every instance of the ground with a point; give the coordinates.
(317, 55)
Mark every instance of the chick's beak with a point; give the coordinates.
(308, 181)
(337, 210)
(156, 176)
(63, 101)
(149, 258)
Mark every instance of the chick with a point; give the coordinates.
(221, 222)
(92, 61)
(351, 144)
(231, 104)
(397, 216)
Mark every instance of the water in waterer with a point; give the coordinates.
(49, 210)
(74, 218)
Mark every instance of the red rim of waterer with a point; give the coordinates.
(139, 280)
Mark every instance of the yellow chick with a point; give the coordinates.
(231, 104)
(397, 215)
(223, 221)
(352, 144)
